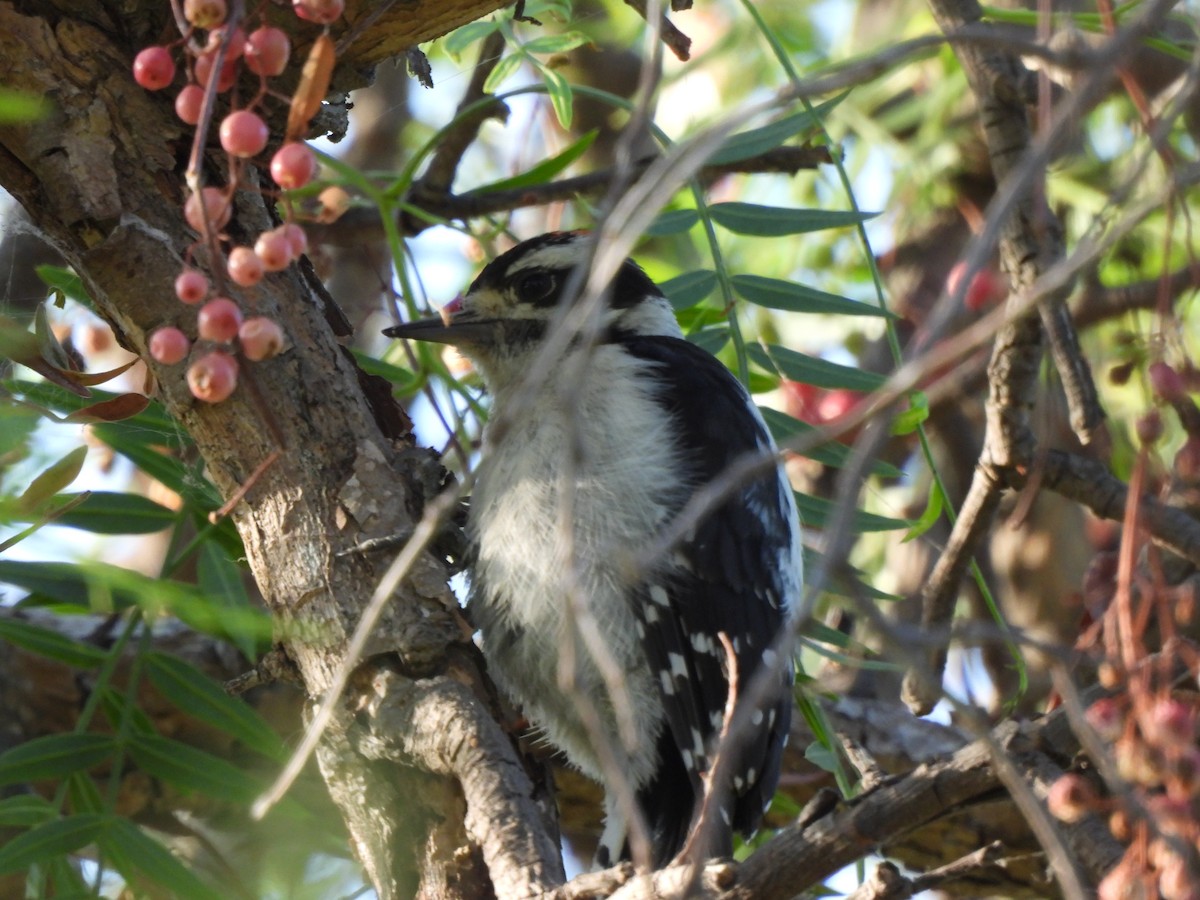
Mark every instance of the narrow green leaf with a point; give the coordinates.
(562, 98)
(54, 756)
(403, 380)
(674, 221)
(710, 339)
(784, 428)
(65, 282)
(504, 69)
(25, 811)
(49, 643)
(813, 370)
(190, 769)
(933, 511)
(84, 795)
(136, 855)
(774, 293)
(817, 512)
(220, 580)
(840, 586)
(689, 288)
(545, 170)
(775, 221)
(53, 479)
(462, 38)
(52, 839)
(110, 512)
(767, 137)
(556, 43)
(198, 695)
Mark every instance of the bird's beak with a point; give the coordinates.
(455, 326)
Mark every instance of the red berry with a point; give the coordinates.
(267, 51)
(243, 133)
(169, 345)
(213, 376)
(205, 13)
(219, 320)
(1106, 717)
(293, 165)
(1166, 382)
(324, 12)
(216, 206)
(986, 286)
(154, 68)
(274, 250)
(191, 286)
(204, 67)
(261, 338)
(244, 267)
(297, 239)
(189, 103)
(237, 42)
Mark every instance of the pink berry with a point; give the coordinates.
(986, 286)
(261, 338)
(244, 267)
(169, 345)
(297, 239)
(293, 165)
(191, 286)
(324, 12)
(237, 42)
(203, 70)
(1106, 717)
(205, 13)
(216, 210)
(267, 51)
(243, 133)
(219, 320)
(213, 376)
(1071, 798)
(273, 250)
(189, 103)
(154, 68)
(1171, 722)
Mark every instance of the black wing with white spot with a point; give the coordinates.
(739, 574)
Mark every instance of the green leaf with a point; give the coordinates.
(55, 477)
(786, 295)
(49, 643)
(198, 695)
(220, 580)
(65, 283)
(784, 428)
(817, 512)
(404, 381)
(20, 107)
(775, 221)
(917, 412)
(674, 221)
(933, 511)
(54, 756)
(136, 856)
(25, 811)
(556, 43)
(689, 288)
(562, 98)
(110, 512)
(52, 839)
(840, 586)
(503, 71)
(813, 370)
(190, 769)
(822, 757)
(462, 38)
(543, 171)
(767, 137)
(710, 339)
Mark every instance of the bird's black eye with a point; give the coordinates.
(535, 287)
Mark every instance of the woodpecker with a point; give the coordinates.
(652, 419)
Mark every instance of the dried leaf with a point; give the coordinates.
(313, 86)
(122, 406)
(91, 379)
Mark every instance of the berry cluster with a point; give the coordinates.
(215, 50)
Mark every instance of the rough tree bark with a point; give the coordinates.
(102, 178)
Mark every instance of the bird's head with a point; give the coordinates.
(508, 309)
